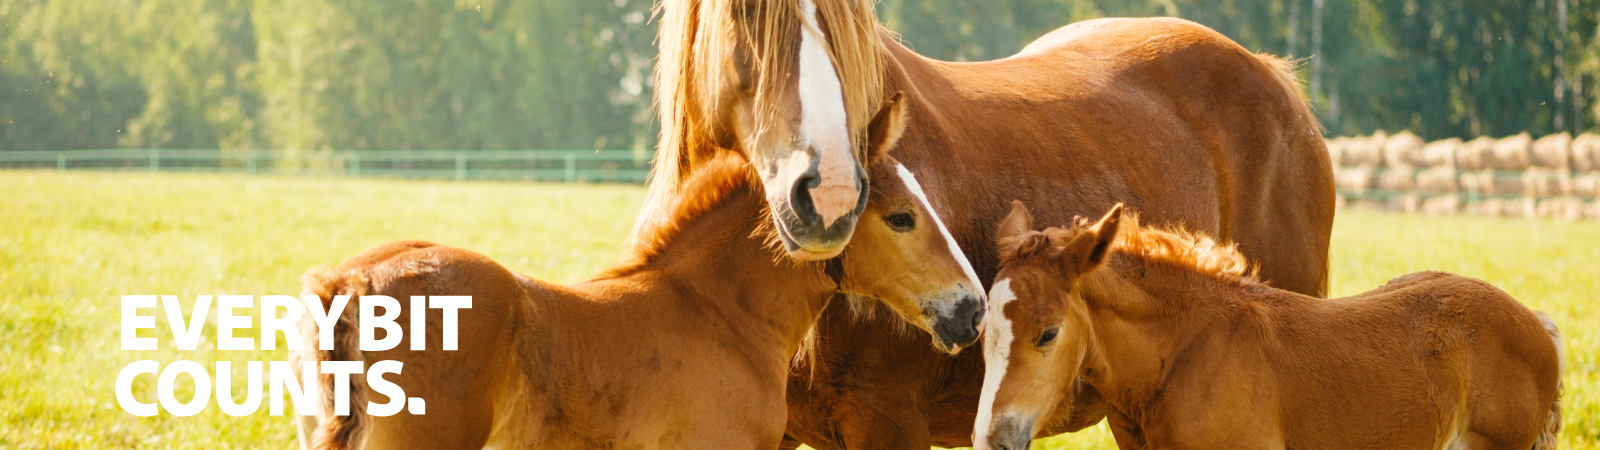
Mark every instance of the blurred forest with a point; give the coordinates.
(307, 75)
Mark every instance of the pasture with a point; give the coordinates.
(72, 242)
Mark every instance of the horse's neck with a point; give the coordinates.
(1142, 318)
(718, 267)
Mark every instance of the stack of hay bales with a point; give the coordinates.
(1357, 162)
(1554, 176)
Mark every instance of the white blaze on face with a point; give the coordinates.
(822, 123)
(955, 250)
(996, 356)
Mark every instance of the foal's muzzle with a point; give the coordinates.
(1007, 433)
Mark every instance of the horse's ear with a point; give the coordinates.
(1089, 248)
(1017, 223)
(886, 127)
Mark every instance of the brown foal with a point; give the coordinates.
(1190, 350)
(686, 345)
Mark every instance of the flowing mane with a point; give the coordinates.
(1175, 246)
(695, 39)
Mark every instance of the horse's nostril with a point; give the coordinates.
(977, 319)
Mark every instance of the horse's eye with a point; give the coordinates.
(1046, 338)
(901, 222)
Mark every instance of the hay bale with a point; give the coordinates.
(1442, 205)
(1546, 182)
(1403, 149)
(1477, 181)
(1553, 152)
(1513, 152)
(1354, 181)
(1363, 151)
(1475, 154)
(1562, 208)
(1437, 180)
(1397, 179)
(1586, 185)
(1440, 153)
(1586, 152)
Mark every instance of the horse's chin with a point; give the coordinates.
(802, 252)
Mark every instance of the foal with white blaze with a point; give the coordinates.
(1189, 350)
(688, 344)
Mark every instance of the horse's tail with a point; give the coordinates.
(1552, 424)
(330, 431)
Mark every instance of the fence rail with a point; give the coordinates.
(614, 166)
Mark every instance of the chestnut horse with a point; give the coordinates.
(1174, 117)
(1170, 115)
(1192, 351)
(686, 345)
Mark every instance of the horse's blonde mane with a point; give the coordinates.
(1175, 246)
(696, 38)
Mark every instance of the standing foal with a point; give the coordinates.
(1189, 350)
(687, 345)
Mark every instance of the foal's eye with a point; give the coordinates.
(901, 222)
(1046, 338)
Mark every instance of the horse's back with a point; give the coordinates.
(1245, 114)
(461, 386)
(1484, 352)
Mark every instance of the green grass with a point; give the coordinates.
(72, 243)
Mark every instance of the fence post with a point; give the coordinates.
(355, 164)
(61, 160)
(155, 160)
(571, 167)
(250, 161)
(461, 166)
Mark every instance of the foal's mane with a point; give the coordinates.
(1174, 246)
(718, 183)
(695, 39)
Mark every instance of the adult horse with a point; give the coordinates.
(1175, 118)
(685, 345)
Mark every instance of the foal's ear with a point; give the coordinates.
(884, 131)
(1017, 223)
(1088, 249)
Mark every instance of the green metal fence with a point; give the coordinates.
(617, 166)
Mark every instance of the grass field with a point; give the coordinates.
(72, 243)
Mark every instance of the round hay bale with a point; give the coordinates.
(1586, 152)
(1441, 153)
(1545, 182)
(1507, 184)
(1475, 154)
(1586, 185)
(1553, 152)
(1397, 179)
(1477, 181)
(1373, 149)
(1438, 180)
(1512, 152)
(1354, 181)
(1442, 205)
(1403, 149)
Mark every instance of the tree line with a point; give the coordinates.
(310, 75)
